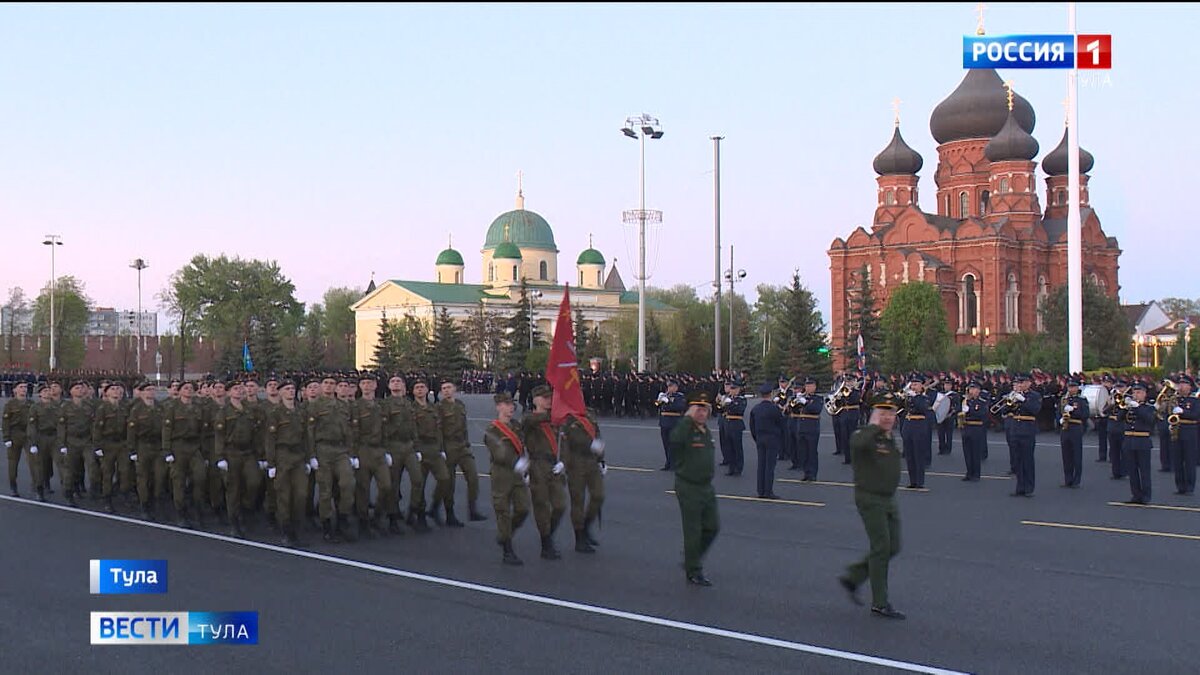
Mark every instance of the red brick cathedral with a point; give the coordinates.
(990, 248)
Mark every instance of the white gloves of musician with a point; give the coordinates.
(1019, 396)
(525, 479)
(62, 451)
(223, 465)
(603, 469)
(313, 464)
(1177, 410)
(522, 465)
(803, 399)
(169, 458)
(354, 463)
(559, 467)
(419, 458)
(133, 457)
(99, 452)
(262, 465)
(33, 449)
(443, 454)
(271, 473)
(966, 407)
(8, 444)
(1068, 408)
(598, 447)
(387, 457)
(1133, 404)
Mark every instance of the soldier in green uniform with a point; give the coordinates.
(15, 430)
(876, 461)
(400, 432)
(237, 456)
(182, 428)
(546, 469)
(452, 418)
(75, 441)
(262, 411)
(510, 475)
(429, 450)
(370, 459)
(287, 461)
(692, 455)
(144, 439)
(584, 457)
(109, 432)
(214, 400)
(42, 431)
(329, 438)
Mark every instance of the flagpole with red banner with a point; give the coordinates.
(562, 368)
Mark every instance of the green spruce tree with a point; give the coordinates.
(803, 334)
(446, 353)
(385, 355)
(863, 319)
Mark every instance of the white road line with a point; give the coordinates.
(517, 595)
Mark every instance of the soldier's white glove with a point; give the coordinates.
(603, 469)
(313, 465)
(8, 444)
(99, 452)
(387, 457)
(133, 457)
(522, 465)
(354, 463)
(262, 465)
(223, 465)
(1177, 410)
(419, 458)
(271, 473)
(33, 449)
(169, 458)
(966, 407)
(559, 468)
(1134, 404)
(1068, 408)
(526, 479)
(598, 447)
(1019, 396)
(62, 451)
(442, 454)
(803, 400)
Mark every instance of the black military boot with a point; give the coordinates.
(71, 499)
(271, 521)
(394, 525)
(475, 515)
(289, 537)
(235, 528)
(12, 487)
(419, 523)
(146, 513)
(108, 505)
(587, 533)
(510, 556)
(41, 493)
(331, 534)
(548, 550)
(436, 513)
(581, 543)
(451, 519)
(184, 520)
(364, 528)
(347, 528)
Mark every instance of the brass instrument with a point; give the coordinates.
(1065, 416)
(834, 403)
(1002, 404)
(1166, 401)
(782, 397)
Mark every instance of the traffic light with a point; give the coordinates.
(823, 350)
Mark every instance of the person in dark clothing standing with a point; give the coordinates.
(767, 427)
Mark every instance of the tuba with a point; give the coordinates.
(1166, 398)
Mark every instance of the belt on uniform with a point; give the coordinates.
(669, 414)
(733, 417)
(805, 416)
(1139, 434)
(973, 424)
(1074, 421)
(1024, 418)
(1187, 421)
(915, 417)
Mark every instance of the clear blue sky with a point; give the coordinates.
(341, 140)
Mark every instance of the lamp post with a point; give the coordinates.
(139, 265)
(717, 253)
(533, 295)
(982, 335)
(52, 240)
(732, 277)
(639, 127)
(1187, 337)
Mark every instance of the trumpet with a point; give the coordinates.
(1003, 403)
(1173, 425)
(1065, 419)
(662, 398)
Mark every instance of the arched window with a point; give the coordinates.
(964, 205)
(1062, 197)
(947, 214)
(968, 314)
(983, 201)
(491, 271)
(580, 277)
(1094, 279)
(889, 197)
(458, 277)
(542, 270)
(598, 282)
(514, 276)
(1011, 305)
(1043, 297)
(1003, 185)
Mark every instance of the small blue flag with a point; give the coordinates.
(246, 362)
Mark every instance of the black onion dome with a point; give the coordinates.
(1055, 163)
(1011, 143)
(897, 158)
(977, 109)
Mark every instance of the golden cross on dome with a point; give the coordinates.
(506, 232)
(979, 8)
(896, 109)
(1008, 84)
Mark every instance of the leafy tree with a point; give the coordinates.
(1106, 329)
(581, 335)
(71, 310)
(1179, 308)
(596, 346)
(802, 333)
(307, 351)
(446, 350)
(536, 359)
(863, 319)
(915, 336)
(16, 306)
(483, 334)
(766, 320)
(1025, 351)
(265, 348)
(339, 325)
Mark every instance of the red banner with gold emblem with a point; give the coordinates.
(562, 369)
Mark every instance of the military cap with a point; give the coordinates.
(420, 380)
(285, 383)
(885, 401)
(272, 378)
(700, 398)
(502, 397)
(737, 382)
(1021, 377)
(974, 384)
(40, 387)
(1138, 385)
(78, 383)
(917, 377)
(765, 389)
(542, 390)
(810, 380)
(1107, 378)
(1186, 379)
(1074, 383)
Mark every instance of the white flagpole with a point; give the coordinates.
(1074, 226)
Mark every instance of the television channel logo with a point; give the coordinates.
(174, 628)
(123, 577)
(1083, 52)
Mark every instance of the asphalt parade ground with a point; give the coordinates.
(1070, 581)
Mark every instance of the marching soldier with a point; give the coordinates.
(1116, 431)
(109, 432)
(452, 418)
(1027, 404)
(1139, 424)
(510, 475)
(75, 442)
(918, 440)
(1075, 412)
(400, 433)
(735, 426)
(767, 427)
(671, 406)
(692, 448)
(16, 437)
(545, 470)
(213, 400)
(42, 430)
(806, 410)
(945, 428)
(845, 422)
(876, 477)
(429, 451)
(144, 440)
(974, 431)
(182, 428)
(1187, 408)
(329, 439)
(372, 459)
(287, 461)
(234, 433)
(585, 476)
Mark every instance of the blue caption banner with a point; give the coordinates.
(1018, 51)
(174, 628)
(120, 577)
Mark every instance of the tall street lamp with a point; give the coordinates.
(139, 265)
(639, 127)
(52, 240)
(982, 334)
(732, 277)
(533, 295)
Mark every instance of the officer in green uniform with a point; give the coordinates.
(329, 437)
(876, 461)
(15, 431)
(584, 457)
(371, 458)
(109, 433)
(144, 439)
(452, 417)
(287, 461)
(42, 431)
(399, 433)
(546, 469)
(238, 460)
(429, 450)
(692, 456)
(75, 441)
(510, 475)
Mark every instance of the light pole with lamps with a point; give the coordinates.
(639, 127)
(982, 335)
(533, 295)
(732, 277)
(139, 265)
(52, 240)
